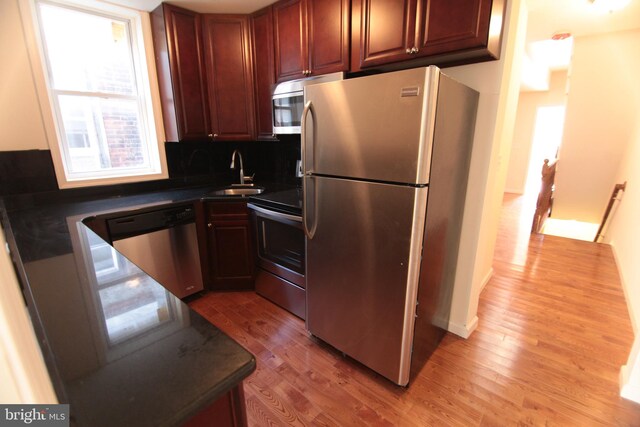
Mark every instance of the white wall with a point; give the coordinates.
(624, 231)
(528, 105)
(21, 124)
(602, 113)
(498, 84)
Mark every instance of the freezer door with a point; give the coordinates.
(376, 127)
(362, 269)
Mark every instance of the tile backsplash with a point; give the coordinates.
(272, 161)
(31, 171)
(26, 171)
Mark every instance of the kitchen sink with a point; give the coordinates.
(238, 190)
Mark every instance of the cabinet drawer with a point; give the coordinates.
(227, 210)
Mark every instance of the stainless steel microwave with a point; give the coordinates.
(288, 102)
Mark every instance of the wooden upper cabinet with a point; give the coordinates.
(442, 32)
(387, 31)
(230, 76)
(263, 70)
(177, 41)
(290, 39)
(328, 35)
(310, 37)
(452, 25)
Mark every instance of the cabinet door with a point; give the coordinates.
(230, 76)
(387, 31)
(328, 28)
(264, 74)
(290, 39)
(231, 255)
(230, 246)
(181, 74)
(452, 25)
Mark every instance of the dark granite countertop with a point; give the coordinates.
(119, 348)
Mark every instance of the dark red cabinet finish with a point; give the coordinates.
(443, 32)
(264, 74)
(328, 35)
(229, 76)
(228, 411)
(452, 25)
(290, 39)
(310, 37)
(230, 248)
(177, 41)
(387, 31)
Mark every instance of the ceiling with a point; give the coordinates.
(575, 17)
(579, 17)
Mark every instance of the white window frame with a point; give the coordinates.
(142, 44)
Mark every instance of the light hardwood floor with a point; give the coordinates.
(553, 333)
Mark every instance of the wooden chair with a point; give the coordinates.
(545, 197)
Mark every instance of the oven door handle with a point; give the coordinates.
(274, 214)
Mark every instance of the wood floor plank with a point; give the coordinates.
(553, 333)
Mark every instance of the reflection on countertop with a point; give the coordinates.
(119, 347)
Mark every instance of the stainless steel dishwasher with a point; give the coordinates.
(164, 244)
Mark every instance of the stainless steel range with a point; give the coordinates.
(281, 249)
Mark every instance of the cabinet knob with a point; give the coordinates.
(409, 50)
(209, 225)
(213, 135)
(414, 50)
(210, 135)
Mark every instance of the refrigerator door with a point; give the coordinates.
(376, 127)
(362, 269)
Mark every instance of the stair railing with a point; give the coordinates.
(607, 213)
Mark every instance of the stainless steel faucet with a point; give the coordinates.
(233, 164)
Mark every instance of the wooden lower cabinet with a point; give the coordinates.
(230, 251)
(228, 411)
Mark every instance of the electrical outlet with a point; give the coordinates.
(299, 168)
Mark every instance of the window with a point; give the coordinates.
(99, 93)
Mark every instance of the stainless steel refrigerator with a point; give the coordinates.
(385, 161)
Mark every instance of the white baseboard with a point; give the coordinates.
(463, 331)
(625, 289)
(519, 191)
(486, 279)
(628, 390)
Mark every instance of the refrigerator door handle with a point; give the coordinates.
(307, 172)
(308, 107)
(309, 231)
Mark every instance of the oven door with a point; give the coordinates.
(281, 246)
